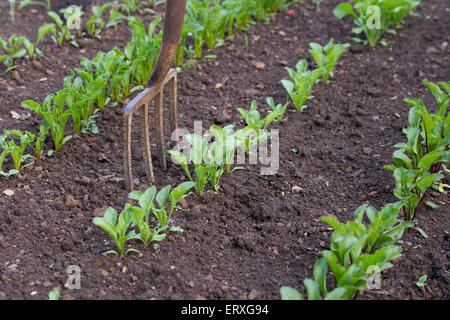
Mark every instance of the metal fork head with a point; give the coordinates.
(141, 103)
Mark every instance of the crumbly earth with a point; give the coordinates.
(255, 234)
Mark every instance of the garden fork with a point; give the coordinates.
(160, 76)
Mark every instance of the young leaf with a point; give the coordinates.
(312, 289)
(288, 293)
(344, 9)
(178, 192)
(146, 200)
(337, 294)
(320, 275)
(421, 282)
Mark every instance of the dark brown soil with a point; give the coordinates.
(255, 234)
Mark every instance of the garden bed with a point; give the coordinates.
(255, 234)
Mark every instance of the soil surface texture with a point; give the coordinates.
(257, 233)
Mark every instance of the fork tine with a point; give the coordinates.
(173, 102)
(145, 142)
(141, 104)
(159, 119)
(127, 150)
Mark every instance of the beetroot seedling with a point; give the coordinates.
(303, 80)
(356, 253)
(16, 152)
(117, 228)
(375, 17)
(146, 199)
(55, 113)
(142, 218)
(327, 57)
(418, 162)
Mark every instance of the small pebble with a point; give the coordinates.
(8, 192)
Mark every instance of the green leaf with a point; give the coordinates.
(440, 97)
(110, 215)
(218, 132)
(336, 294)
(192, 27)
(56, 18)
(433, 157)
(333, 222)
(412, 134)
(390, 236)
(135, 195)
(357, 40)
(401, 159)
(446, 86)
(344, 9)
(146, 199)
(422, 232)
(413, 117)
(159, 237)
(162, 195)
(198, 147)
(66, 138)
(179, 191)
(176, 229)
(288, 85)
(359, 213)
(132, 250)
(182, 160)
(30, 104)
(124, 221)
(371, 213)
(288, 293)
(312, 289)
(421, 282)
(9, 173)
(345, 247)
(353, 278)
(320, 274)
(105, 225)
(138, 216)
(53, 295)
(431, 204)
(18, 54)
(332, 260)
(43, 30)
